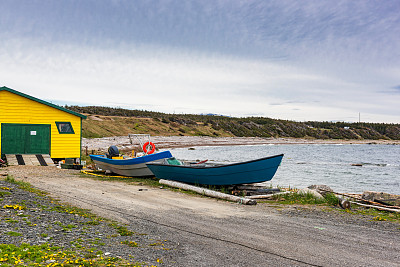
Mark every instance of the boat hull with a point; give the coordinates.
(254, 171)
(135, 167)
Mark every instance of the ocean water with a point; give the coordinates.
(305, 165)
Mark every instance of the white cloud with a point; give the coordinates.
(183, 81)
(314, 60)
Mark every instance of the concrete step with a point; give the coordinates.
(48, 160)
(11, 160)
(31, 160)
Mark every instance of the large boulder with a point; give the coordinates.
(306, 191)
(322, 189)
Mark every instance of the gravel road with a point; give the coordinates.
(207, 232)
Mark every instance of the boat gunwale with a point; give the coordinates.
(218, 166)
(131, 161)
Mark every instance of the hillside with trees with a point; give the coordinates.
(107, 121)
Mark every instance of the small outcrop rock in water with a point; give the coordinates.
(357, 164)
(321, 188)
(306, 191)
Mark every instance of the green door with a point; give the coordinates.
(25, 138)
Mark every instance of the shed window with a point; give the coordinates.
(65, 128)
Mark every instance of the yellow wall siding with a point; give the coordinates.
(18, 109)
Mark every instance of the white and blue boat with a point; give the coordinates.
(135, 167)
(254, 171)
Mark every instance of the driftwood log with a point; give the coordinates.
(373, 203)
(208, 192)
(376, 207)
(269, 195)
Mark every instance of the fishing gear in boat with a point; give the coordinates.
(145, 143)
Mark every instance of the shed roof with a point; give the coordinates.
(41, 101)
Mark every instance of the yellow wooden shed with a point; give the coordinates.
(33, 126)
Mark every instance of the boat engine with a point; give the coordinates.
(112, 152)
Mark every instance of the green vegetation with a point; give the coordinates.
(122, 230)
(331, 200)
(24, 186)
(130, 243)
(83, 252)
(5, 192)
(376, 215)
(11, 221)
(65, 227)
(304, 199)
(12, 233)
(40, 255)
(106, 121)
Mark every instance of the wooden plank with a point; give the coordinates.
(11, 160)
(376, 207)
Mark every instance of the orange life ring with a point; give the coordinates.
(153, 148)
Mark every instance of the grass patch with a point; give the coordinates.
(156, 244)
(375, 215)
(331, 200)
(2, 193)
(24, 186)
(93, 222)
(12, 233)
(130, 243)
(11, 220)
(122, 230)
(303, 199)
(47, 255)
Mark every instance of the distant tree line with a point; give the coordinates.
(260, 126)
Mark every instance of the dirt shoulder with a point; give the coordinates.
(210, 232)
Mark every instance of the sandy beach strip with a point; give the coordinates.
(124, 143)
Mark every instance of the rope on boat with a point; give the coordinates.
(100, 175)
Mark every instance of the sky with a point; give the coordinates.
(311, 60)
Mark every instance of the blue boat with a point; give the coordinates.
(254, 171)
(135, 167)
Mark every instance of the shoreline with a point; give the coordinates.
(166, 142)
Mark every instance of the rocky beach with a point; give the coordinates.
(124, 143)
